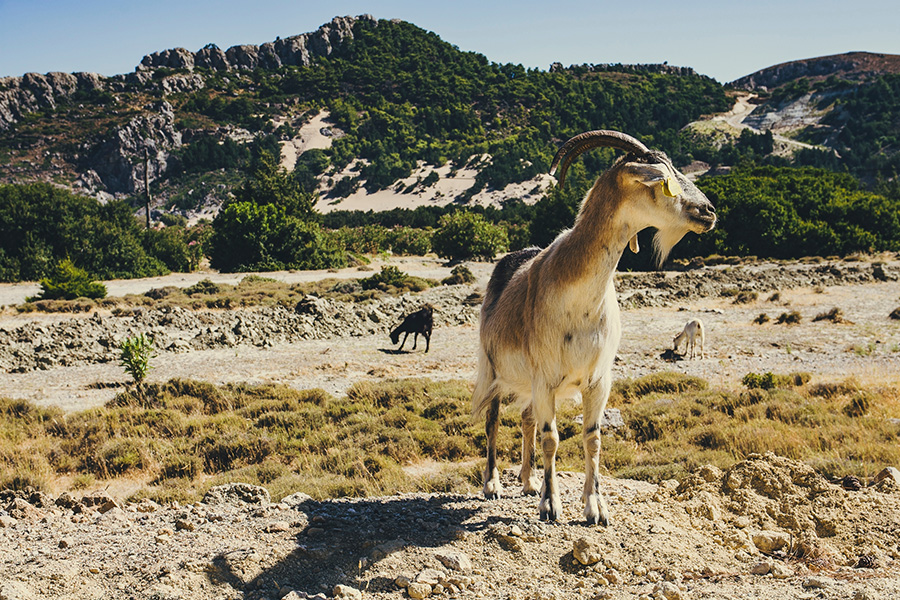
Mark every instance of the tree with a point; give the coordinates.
(269, 183)
(464, 234)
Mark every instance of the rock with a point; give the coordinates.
(816, 582)
(430, 576)
(146, 506)
(97, 499)
(7, 521)
(184, 525)
(419, 590)
(64, 543)
(586, 552)
(22, 509)
(107, 506)
(761, 568)
(277, 526)
(888, 473)
(770, 541)
(296, 499)
(237, 493)
(781, 571)
(345, 591)
(455, 561)
(668, 590)
(402, 581)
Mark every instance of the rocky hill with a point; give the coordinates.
(852, 66)
(362, 109)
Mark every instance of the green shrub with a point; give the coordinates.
(68, 282)
(466, 235)
(460, 274)
(135, 355)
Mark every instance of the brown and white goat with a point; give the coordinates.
(550, 324)
(692, 332)
(421, 321)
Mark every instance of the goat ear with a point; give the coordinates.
(655, 174)
(633, 244)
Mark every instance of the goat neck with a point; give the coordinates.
(589, 252)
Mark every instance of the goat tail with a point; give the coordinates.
(485, 392)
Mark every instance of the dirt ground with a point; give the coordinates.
(866, 345)
(768, 528)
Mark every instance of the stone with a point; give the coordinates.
(277, 526)
(761, 568)
(7, 521)
(455, 561)
(586, 552)
(236, 494)
(888, 472)
(345, 591)
(97, 499)
(22, 509)
(419, 590)
(816, 582)
(402, 581)
(184, 525)
(107, 506)
(770, 541)
(669, 591)
(430, 576)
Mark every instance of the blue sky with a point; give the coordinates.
(722, 39)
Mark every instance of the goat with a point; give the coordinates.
(421, 321)
(692, 332)
(550, 326)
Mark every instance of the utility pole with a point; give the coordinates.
(147, 183)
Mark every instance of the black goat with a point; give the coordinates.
(421, 321)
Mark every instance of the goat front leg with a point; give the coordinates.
(492, 486)
(403, 343)
(594, 401)
(530, 483)
(544, 403)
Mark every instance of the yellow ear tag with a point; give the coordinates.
(671, 187)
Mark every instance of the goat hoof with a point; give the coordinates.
(550, 511)
(531, 487)
(596, 513)
(492, 490)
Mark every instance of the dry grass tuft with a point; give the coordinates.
(181, 437)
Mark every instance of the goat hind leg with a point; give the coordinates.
(530, 482)
(492, 486)
(594, 401)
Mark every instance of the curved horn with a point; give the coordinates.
(593, 139)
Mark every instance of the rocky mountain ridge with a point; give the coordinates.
(20, 96)
(853, 66)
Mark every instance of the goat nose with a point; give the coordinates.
(707, 209)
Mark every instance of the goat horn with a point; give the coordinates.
(593, 139)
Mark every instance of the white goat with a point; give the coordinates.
(692, 332)
(550, 323)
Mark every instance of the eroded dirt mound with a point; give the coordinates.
(768, 528)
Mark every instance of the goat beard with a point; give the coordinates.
(663, 242)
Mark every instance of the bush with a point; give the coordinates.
(466, 235)
(68, 282)
(253, 237)
(460, 274)
(135, 356)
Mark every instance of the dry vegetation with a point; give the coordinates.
(179, 438)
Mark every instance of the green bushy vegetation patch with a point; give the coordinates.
(180, 437)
